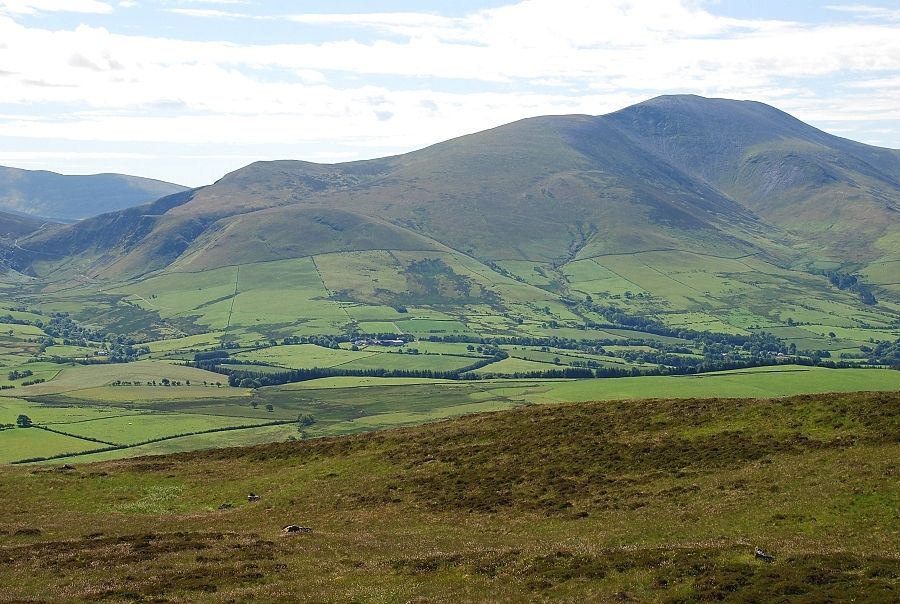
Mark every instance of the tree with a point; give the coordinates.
(23, 421)
(270, 408)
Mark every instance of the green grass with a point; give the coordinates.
(131, 429)
(514, 365)
(77, 411)
(358, 382)
(653, 501)
(26, 443)
(200, 341)
(79, 377)
(432, 326)
(394, 360)
(759, 382)
(150, 394)
(303, 355)
(379, 327)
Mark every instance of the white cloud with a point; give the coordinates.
(31, 7)
(420, 77)
(867, 11)
(210, 13)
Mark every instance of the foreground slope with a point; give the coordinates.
(67, 198)
(641, 500)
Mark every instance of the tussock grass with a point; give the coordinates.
(655, 500)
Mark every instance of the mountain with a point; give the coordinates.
(68, 198)
(708, 213)
(838, 194)
(14, 224)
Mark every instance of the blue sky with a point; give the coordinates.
(188, 90)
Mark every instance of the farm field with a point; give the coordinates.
(124, 415)
(29, 443)
(135, 394)
(137, 428)
(80, 377)
(303, 355)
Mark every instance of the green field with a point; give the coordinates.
(303, 355)
(759, 382)
(31, 442)
(343, 405)
(80, 377)
(132, 429)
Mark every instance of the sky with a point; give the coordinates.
(189, 90)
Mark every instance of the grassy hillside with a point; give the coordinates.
(652, 500)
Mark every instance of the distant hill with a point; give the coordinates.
(67, 198)
(708, 213)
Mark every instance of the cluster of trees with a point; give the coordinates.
(71, 333)
(619, 318)
(333, 342)
(125, 351)
(11, 320)
(568, 372)
(852, 283)
(162, 382)
(249, 379)
(210, 355)
(17, 375)
(886, 353)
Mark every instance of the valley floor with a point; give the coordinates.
(78, 416)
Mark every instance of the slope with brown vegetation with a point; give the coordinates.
(656, 500)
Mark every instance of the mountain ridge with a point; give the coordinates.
(75, 197)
